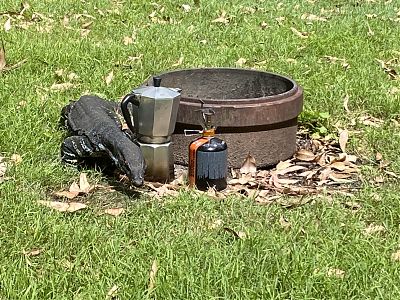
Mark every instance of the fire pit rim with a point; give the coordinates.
(222, 101)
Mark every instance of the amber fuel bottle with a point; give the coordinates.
(208, 158)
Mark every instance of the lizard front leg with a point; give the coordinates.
(75, 149)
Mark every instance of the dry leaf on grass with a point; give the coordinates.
(335, 273)
(340, 178)
(379, 179)
(223, 18)
(162, 190)
(179, 61)
(274, 180)
(186, 8)
(370, 121)
(84, 185)
(241, 62)
(62, 86)
(112, 293)
(264, 25)
(391, 174)
(262, 199)
(16, 158)
(303, 35)
(75, 190)
(280, 20)
(355, 206)
(311, 17)
(109, 77)
(387, 67)
(343, 139)
(128, 40)
(63, 206)
(396, 256)
(334, 60)
(287, 181)
(249, 165)
(236, 234)
(378, 156)
(7, 25)
(216, 224)
(152, 276)
(373, 228)
(32, 252)
(114, 211)
(285, 224)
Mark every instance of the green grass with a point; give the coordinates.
(83, 255)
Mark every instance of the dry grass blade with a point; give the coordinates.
(152, 276)
(3, 62)
(346, 103)
(15, 66)
(3, 168)
(236, 234)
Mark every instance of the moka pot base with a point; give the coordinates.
(159, 160)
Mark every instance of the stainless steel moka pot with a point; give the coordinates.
(154, 110)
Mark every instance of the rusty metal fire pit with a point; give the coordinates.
(255, 112)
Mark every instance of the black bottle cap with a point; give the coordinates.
(156, 81)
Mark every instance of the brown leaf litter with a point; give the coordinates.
(75, 190)
(319, 166)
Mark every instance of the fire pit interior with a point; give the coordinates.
(255, 112)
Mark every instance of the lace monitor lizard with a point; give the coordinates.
(96, 132)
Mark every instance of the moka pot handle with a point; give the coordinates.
(130, 98)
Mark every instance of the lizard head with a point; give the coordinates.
(131, 162)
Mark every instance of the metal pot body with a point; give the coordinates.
(155, 116)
